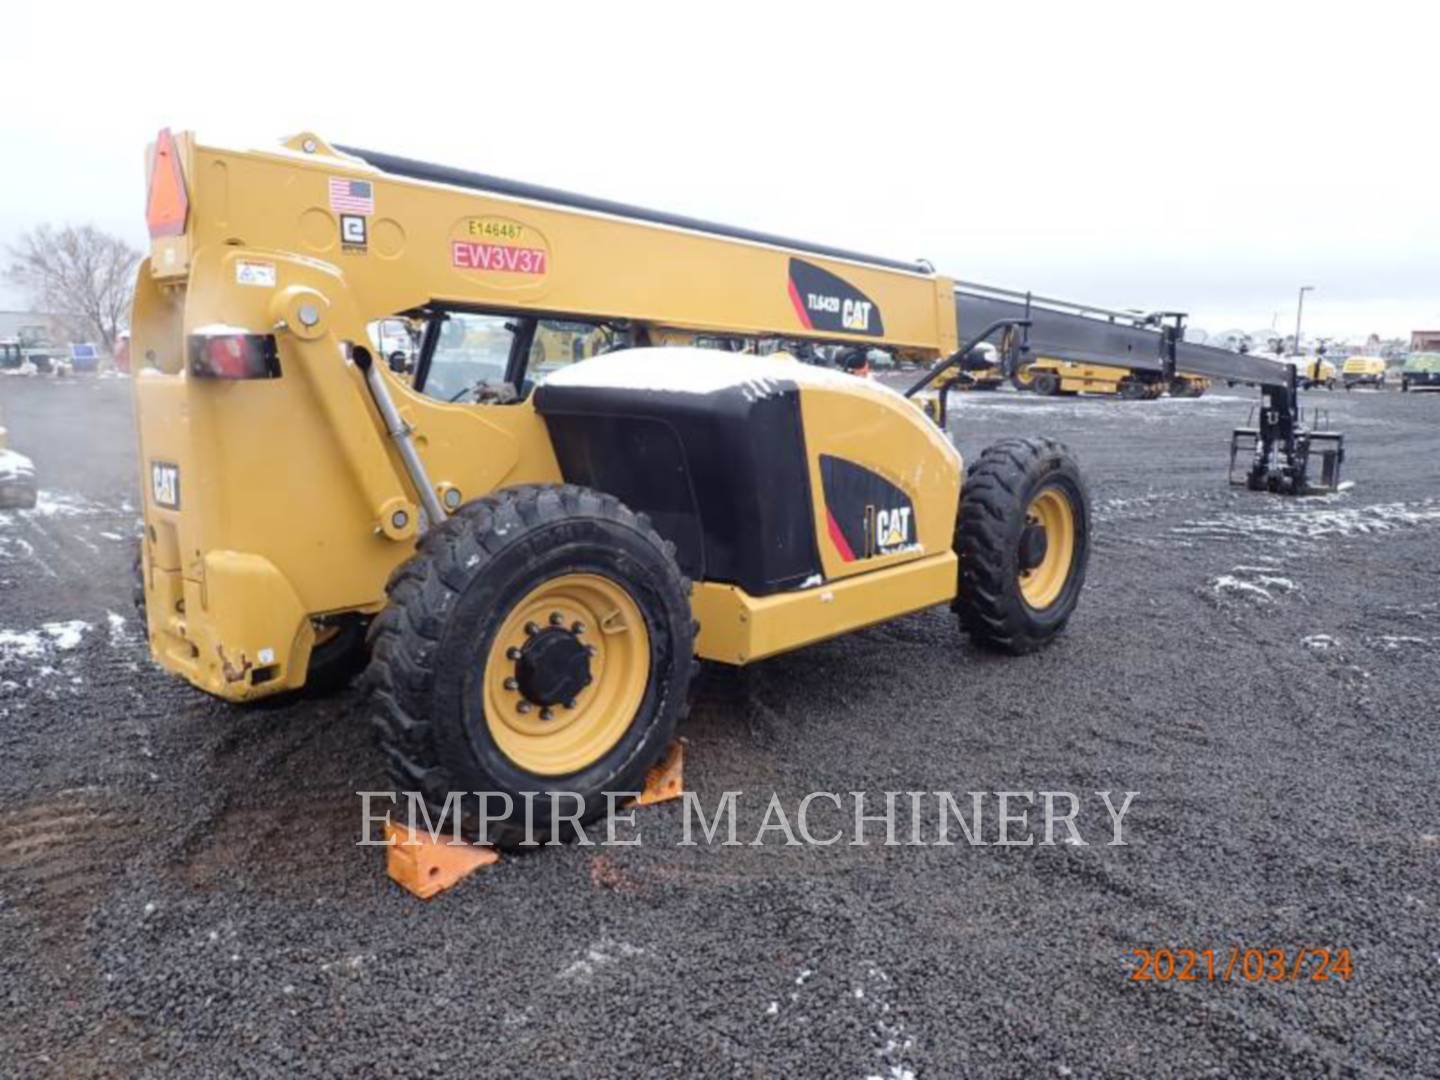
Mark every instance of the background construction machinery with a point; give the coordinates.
(1049, 377)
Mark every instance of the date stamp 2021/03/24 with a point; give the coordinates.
(1240, 964)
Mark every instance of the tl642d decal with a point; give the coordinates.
(824, 301)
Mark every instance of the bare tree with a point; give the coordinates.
(80, 275)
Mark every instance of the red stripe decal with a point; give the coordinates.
(800, 307)
(836, 536)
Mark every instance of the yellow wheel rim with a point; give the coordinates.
(548, 735)
(1024, 376)
(1042, 584)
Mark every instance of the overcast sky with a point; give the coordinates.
(1210, 157)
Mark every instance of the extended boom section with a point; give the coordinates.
(1281, 453)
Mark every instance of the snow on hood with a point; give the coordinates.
(13, 466)
(220, 330)
(690, 370)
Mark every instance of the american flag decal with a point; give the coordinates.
(351, 196)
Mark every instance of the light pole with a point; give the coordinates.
(1300, 310)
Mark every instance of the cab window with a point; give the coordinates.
(559, 343)
(397, 340)
(472, 349)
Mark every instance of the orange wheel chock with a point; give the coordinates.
(425, 867)
(666, 778)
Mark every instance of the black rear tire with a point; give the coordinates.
(137, 580)
(448, 604)
(1000, 489)
(339, 657)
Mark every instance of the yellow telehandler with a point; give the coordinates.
(534, 525)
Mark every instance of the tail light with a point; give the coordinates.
(232, 354)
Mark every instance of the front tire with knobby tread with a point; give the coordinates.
(1000, 488)
(447, 605)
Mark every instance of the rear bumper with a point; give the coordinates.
(235, 628)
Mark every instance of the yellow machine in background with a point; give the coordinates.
(1316, 371)
(1363, 371)
(1048, 377)
(536, 541)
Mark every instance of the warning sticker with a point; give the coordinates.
(248, 272)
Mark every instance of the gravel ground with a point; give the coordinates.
(180, 889)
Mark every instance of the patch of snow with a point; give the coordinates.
(1392, 642)
(600, 955)
(896, 1044)
(1131, 506)
(1260, 586)
(66, 635)
(35, 644)
(1283, 523)
(15, 466)
(63, 504)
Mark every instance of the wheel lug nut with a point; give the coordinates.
(511, 684)
(588, 680)
(577, 628)
(531, 629)
(546, 714)
(590, 650)
(522, 706)
(512, 653)
(570, 704)
(556, 619)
